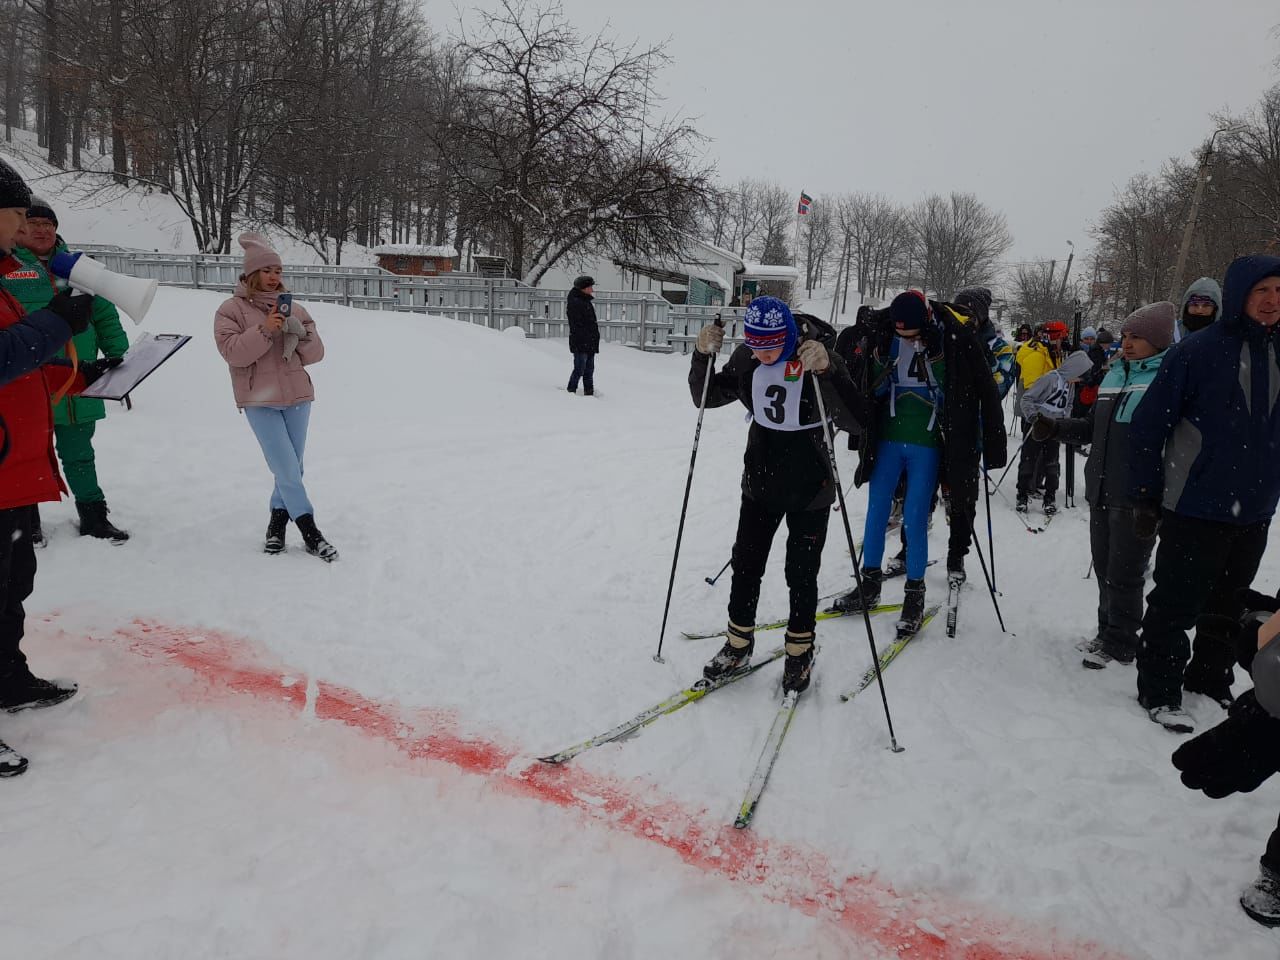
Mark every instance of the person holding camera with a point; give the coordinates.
(271, 385)
(28, 467)
(74, 418)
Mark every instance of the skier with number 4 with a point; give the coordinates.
(786, 470)
(937, 405)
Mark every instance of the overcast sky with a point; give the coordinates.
(1042, 109)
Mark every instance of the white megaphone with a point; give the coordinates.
(131, 294)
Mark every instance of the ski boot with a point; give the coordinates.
(12, 762)
(867, 598)
(734, 655)
(1173, 718)
(912, 618)
(1261, 899)
(1050, 508)
(1022, 505)
(799, 664)
(274, 542)
(955, 572)
(1214, 684)
(896, 565)
(315, 542)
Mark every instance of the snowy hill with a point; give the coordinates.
(92, 209)
(275, 757)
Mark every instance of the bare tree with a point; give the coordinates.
(958, 240)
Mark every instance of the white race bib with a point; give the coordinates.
(775, 396)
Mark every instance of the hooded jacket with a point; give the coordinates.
(786, 470)
(1205, 287)
(1106, 429)
(33, 286)
(1050, 395)
(1206, 440)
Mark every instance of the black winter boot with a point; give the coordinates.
(1261, 899)
(275, 531)
(799, 664)
(867, 598)
(734, 655)
(23, 690)
(912, 618)
(94, 522)
(317, 545)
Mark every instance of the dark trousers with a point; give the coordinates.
(963, 511)
(1271, 859)
(1200, 565)
(1039, 458)
(1120, 563)
(75, 450)
(17, 579)
(806, 536)
(584, 368)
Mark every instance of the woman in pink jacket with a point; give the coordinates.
(272, 387)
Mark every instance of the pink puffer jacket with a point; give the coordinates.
(260, 375)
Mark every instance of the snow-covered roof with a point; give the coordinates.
(410, 250)
(770, 271)
(718, 252)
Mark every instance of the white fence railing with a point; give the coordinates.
(638, 319)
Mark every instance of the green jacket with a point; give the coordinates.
(33, 287)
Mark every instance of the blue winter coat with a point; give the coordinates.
(1206, 439)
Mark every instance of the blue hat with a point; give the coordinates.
(1088, 333)
(768, 325)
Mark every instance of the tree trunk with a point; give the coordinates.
(55, 116)
(119, 153)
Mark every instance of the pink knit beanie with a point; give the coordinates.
(257, 253)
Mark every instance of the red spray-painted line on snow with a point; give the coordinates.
(803, 879)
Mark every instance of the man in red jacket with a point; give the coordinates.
(28, 467)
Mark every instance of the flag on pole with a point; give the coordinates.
(805, 202)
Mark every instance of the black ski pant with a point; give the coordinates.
(17, 580)
(1200, 565)
(963, 511)
(806, 536)
(1120, 563)
(1039, 458)
(1271, 859)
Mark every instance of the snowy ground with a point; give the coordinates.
(274, 757)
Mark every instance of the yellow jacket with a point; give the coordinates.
(1034, 360)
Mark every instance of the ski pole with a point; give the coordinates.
(857, 573)
(711, 581)
(684, 507)
(991, 587)
(991, 540)
(1090, 573)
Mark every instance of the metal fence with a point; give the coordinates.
(639, 319)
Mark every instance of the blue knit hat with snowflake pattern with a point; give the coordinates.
(768, 325)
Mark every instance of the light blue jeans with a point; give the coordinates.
(282, 435)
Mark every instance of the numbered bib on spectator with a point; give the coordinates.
(775, 396)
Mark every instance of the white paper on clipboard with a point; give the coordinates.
(142, 359)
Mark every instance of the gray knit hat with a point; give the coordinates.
(1153, 323)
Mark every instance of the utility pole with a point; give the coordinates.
(1202, 177)
(1062, 290)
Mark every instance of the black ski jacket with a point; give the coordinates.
(786, 471)
(584, 331)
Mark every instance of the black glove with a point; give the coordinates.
(92, 370)
(995, 457)
(76, 309)
(1235, 756)
(1042, 428)
(1146, 520)
(1258, 608)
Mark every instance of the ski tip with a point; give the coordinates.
(553, 761)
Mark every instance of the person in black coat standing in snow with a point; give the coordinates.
(584, 335)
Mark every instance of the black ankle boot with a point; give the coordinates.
(734, 655)
(912, 607)
(275, 531)
(799, 664)
(868, 598)
(316, 544)
(94, 522)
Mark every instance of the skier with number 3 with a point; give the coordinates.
(786, 471)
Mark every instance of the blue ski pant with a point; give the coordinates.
(920, 464)
(282, 435)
